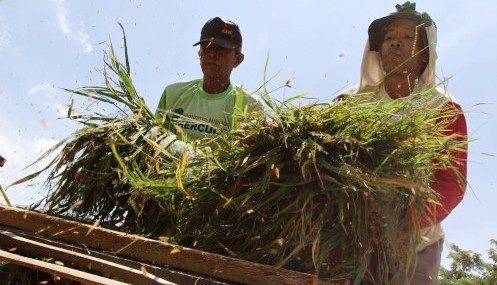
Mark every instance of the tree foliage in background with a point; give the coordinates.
(469, 268)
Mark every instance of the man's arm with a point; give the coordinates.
(450, 183)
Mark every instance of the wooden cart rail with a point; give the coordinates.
(35, 232)
(71, 274)
(69, 255)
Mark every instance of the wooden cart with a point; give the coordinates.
(93, 255)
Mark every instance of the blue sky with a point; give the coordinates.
(46, 45)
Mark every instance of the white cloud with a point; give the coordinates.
(20, 151)
(62, 17)
(42, 88)
(65, 26)
(16, 149)
(20, 148)
(48, 99)
(48, 92)
(41, 145)
(83, 39)
(5, 34)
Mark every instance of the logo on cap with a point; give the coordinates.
(227, 31)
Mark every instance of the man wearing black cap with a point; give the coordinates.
(204, 107)
(399, 60)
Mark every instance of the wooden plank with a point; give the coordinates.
(110, 265)
(125, 273)
(68, 273)
(153, 251)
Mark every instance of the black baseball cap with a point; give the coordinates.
(222, 32)
(407, 10)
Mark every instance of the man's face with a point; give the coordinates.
(400, 50)
(217, 61)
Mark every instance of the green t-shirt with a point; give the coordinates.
(200, 114)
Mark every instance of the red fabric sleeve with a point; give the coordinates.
(450, 184)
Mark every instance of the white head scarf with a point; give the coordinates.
(372, 72)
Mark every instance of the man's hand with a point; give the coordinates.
(340, 98)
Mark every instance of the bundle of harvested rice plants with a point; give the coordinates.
(332, 189)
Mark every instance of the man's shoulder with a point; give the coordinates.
(249, 98)
(176, 90)
(349, 90)
(440, 96)
(240, 90)
(445, 94)
(356, 90)
(180, 88)
(184, 84)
